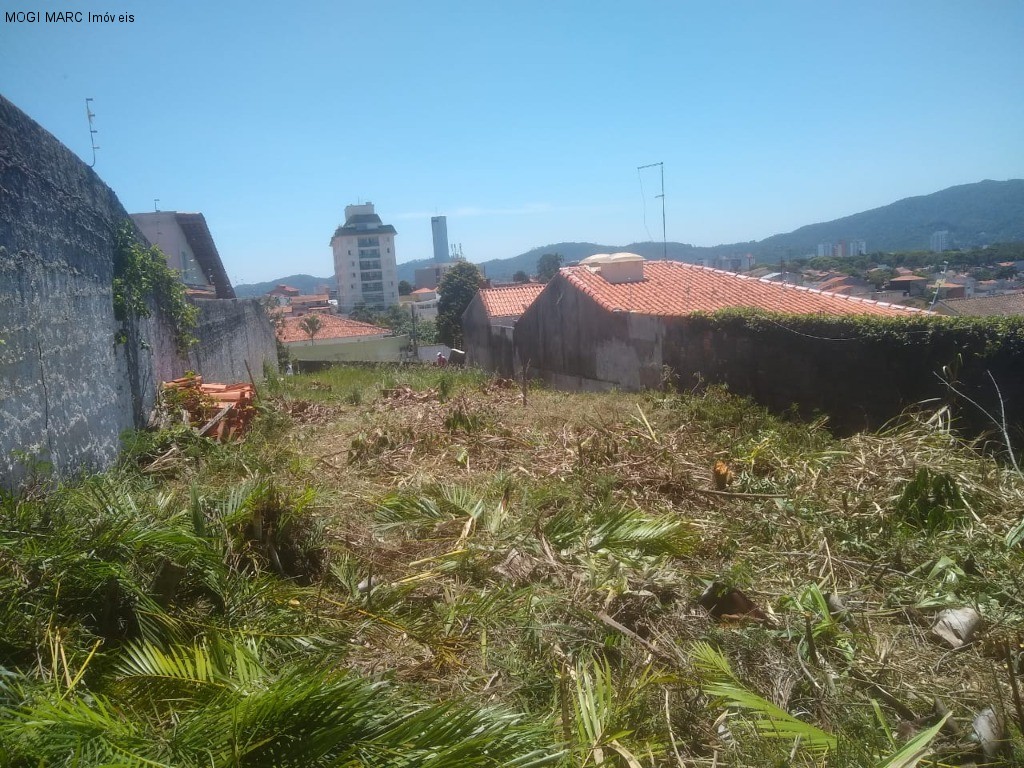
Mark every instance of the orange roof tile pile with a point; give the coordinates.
(673, 289)
(331, 327)
(221, 411)
(509, 300)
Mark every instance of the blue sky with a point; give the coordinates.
(524, 122)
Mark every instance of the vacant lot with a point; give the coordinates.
(426, 567)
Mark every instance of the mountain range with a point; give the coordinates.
(973, 214)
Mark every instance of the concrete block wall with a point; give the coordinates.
(67, 390)
(64, 394)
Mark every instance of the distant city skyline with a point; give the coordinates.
(529, 126)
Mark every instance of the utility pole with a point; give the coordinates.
(415, 347)
(664, 239)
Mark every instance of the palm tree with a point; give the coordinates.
(311, 324)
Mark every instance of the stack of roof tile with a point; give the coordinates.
(222, 411)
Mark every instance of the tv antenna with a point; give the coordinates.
(92, 132)
(664, 239)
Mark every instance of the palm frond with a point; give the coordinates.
(768, 720)
(631, 529)
(915, 750)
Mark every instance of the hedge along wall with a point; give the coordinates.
(859, 371)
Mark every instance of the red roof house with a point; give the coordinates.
(620, 321)
(488, 323)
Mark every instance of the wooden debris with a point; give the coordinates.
(728, 603)
(224, 410)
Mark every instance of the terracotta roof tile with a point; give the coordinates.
(331, 327)
(1006, 304)
(673, 289)
(509, 300)
(313, 298)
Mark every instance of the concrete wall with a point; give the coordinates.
(567, 338)
(67, 390)
(382, 350)
(488, 345)
(858, 382)
(64, 392)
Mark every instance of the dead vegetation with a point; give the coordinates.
(820, 569)
(655, 580)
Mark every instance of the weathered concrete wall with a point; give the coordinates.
(859, 383)
(565, 336)
(67, 390)
(857, 378)
(386, 350)
(64, 394)
(489, 347)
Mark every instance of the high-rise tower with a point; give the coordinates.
(364, 260)
(439, 226)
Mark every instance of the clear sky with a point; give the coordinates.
(524, 122)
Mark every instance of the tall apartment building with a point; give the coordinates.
(439, 228)
(364, 260)
(843, 248)
(939, 241)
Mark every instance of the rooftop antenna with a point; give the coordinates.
(664, 239)
(92, 132)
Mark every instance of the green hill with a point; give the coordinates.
(974, 215)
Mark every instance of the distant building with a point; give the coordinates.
(364, 260)
(423, 302)
(616, 320)
(188, 245)
(1005, 305)
(439, 228)
(430, 277)
(339, 339)
(939, 241)
(843, 249)
(488, 324)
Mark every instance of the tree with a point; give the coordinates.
(362, 313)
(404, 287)
(521, 277)
(548, 265)
(458, 287)
(310, 324)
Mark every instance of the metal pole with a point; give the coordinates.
(664, 238)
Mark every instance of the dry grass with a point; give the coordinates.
(495, 613)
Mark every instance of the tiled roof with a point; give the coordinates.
(331, 327)
(315, 298)
(197, 233)
(509, 300)
(421, 291)
(908, 279)
(674, 289)
(985, 306)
